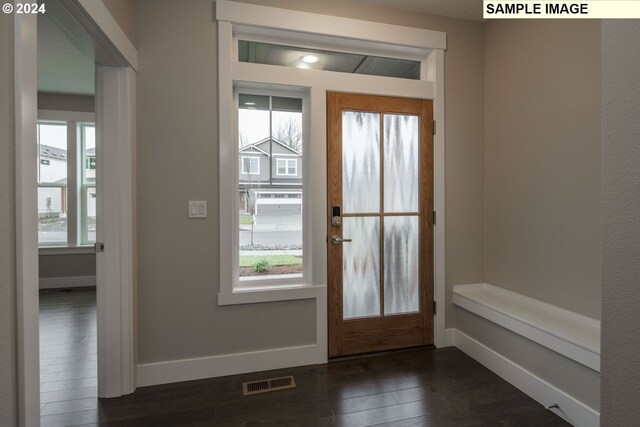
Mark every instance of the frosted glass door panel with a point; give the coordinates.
(401, 276)
(361, 267)
(360, 162)
(401, 137)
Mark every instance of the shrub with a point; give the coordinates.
(261, 266)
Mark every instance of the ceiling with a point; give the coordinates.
(62, 67)
(463, 9)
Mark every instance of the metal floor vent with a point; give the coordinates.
(264, 386)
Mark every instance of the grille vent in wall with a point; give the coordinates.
(264, 386)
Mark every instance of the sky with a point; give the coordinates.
(55, 135)
(254, 124)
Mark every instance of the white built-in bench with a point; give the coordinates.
(570, 334)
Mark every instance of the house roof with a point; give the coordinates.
(53, 152)
(255, 146)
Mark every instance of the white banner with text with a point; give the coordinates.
(532, 9)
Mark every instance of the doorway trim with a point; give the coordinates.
(96, 20)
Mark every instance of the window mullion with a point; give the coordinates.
(72, 183)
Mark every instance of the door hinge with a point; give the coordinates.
(434, 127)
(434, 308)
(98, 247)
(434, 217)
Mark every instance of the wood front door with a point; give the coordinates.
(380, 238)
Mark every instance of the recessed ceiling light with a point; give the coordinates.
(310, 59)
(249, 103)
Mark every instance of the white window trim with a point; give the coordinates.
(73, 121)
(253, 22)
(251, 158)
(286, 167)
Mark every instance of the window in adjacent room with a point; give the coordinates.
(66, 183)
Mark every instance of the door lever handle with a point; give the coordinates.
(336, 240)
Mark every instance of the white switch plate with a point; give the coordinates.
(197, 208)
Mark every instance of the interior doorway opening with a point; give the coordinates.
(74, 189)
(67, 225)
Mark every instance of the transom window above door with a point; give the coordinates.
(318, 59)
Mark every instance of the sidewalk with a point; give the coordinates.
(275, 252)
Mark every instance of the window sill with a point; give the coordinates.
(269, 294)
(65, 250)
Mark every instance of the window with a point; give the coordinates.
(270, 217)
(52, 184)
(287, 167)
(88, 190)
(250, 165)
(320, 59)
(66, 183)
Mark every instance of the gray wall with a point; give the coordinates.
(573, 378)
(620, 223)
(178, 315)
(177, 132)
(63, 102)
(122, 12)
(67, 265)
(8, 361)
(542, 153)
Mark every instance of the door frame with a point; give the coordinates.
(94, 20)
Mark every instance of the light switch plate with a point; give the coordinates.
(197, 208)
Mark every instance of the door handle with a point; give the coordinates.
(336, 240)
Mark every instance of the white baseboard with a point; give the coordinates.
(67, 282)
(226, 364)
(571, 409)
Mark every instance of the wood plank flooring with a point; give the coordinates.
(68, 354)
(425, 387)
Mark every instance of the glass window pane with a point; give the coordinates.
(361, 267)
(401, 163)
(52, 153)
(52, 215)
(316, 59)
(401, 261)
(89, 153)
(90, 214)
(360, 162)
(287, 126)
(270, 213)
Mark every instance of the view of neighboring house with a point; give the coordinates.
(52, 176)
(52, 170)
(270, 174)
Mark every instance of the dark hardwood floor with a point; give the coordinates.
(68, 354)
(425, 387)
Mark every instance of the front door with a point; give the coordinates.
(380, 242)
